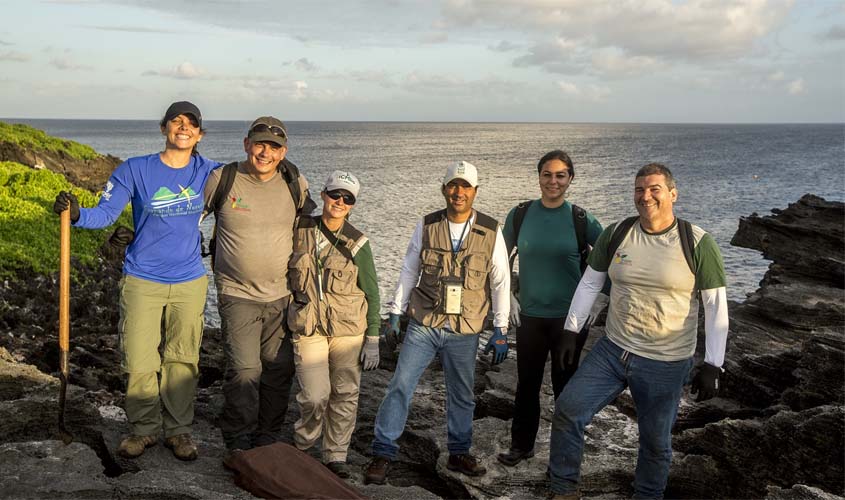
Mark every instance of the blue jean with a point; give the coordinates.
(656, 388)
(457, 354)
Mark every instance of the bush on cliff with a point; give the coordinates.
(37, 140)
(29, 230)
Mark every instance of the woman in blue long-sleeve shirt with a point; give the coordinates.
(162, 273)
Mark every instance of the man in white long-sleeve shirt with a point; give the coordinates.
(456, 265)
(650, 333)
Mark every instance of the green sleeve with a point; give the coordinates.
(709, 267)
(368, 283)
(507, 232)
(599, 260)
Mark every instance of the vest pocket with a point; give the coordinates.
(475, 271)
(430, 268)
(299, 268)
(302, 318)
(341, 275)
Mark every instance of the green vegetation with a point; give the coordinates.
(38, 140)
(29, 230)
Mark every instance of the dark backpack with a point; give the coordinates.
(289, 172)
(684, 228)
(579, 220)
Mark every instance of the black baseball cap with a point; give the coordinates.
(183, 108)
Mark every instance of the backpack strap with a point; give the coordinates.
(619, 232)
(518, 218)
(227, 178)
(687, 242)
(579, 220)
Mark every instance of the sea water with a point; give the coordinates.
(723, 172)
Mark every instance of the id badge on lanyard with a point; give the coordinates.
(451, 294)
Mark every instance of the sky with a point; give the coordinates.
(640, 61)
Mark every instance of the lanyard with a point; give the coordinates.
(455, 251)
(317, 254)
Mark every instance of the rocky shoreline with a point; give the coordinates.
(776, 431)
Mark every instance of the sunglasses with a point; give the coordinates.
(273, 129)
(336, 195)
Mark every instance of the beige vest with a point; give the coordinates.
(472, 264)
(342, 311)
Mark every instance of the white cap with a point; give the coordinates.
(342, 180)
(461, 170)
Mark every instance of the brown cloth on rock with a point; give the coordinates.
(281, 471)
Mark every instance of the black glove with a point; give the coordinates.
(65, 200)
(568, 348)
(705, 381)
(121, 237)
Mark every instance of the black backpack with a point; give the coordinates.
(289, 172)
(684, 228)
(579, 220)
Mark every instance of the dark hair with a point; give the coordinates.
(658, 169)
(194, 151)
(557, 154)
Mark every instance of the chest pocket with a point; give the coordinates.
(341, 275)
(476, 268)
(300, 268)
(430, 268)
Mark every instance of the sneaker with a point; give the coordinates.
(183, 446)
(514, 456)
(134, 446)
(339, 469)
(377, 471)
(465, 464)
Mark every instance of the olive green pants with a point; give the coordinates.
(171, 377)
(329, 374)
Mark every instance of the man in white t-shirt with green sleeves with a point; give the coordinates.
(659, 267)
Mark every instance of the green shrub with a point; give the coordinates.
(29, 230)
(38, 140)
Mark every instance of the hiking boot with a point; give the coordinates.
(134, 446)
(514, 456)
(465, 464)
(339, 469)
(183, 446)
(377, 471)
(230, 456)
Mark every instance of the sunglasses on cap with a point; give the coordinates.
(273, 129)
(337, 194)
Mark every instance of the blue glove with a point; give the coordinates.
(391, 332)
(498, 344)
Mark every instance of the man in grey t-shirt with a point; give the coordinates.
(254, 238)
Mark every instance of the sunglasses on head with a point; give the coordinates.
(273, 129)
(337, 194)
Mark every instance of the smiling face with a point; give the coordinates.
(262, 158)
(459, 196)
(654, 201)
(181, 132)
(334, 210)
(554, 180)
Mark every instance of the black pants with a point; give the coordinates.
(535, 338)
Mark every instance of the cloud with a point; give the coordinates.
(795, 87)
(134, 29)
(835, 33)
(5, 43)
(665, 31)
(611, 63)
(434, 37)
(504, 46)
(451, 86)
(777, 76)
(67, 64)
(14, 56)
(590, 92)
(303, 64)
(183, 71)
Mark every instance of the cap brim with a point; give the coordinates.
(471, 183)
(268, 137)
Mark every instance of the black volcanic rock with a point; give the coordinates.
(89, 174)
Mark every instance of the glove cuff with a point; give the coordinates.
(372, 339)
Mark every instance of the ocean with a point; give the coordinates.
(723, 172)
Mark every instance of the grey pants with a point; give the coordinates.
(259, 371)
